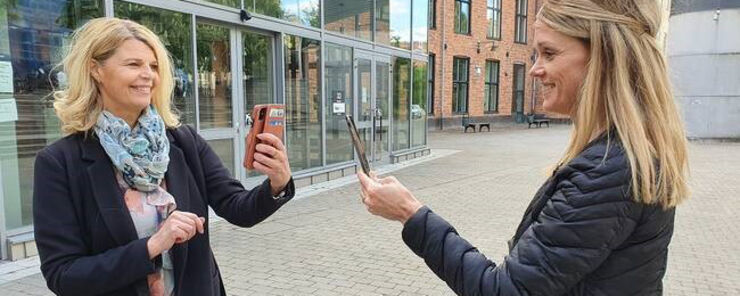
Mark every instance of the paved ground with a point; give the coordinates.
(327, 244)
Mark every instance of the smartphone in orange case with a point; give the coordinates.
(266, 118)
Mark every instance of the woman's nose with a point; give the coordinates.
(537, 70)
(148, 72)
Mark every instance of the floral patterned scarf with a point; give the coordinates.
(141, 154)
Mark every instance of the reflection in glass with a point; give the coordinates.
(462, 16)
(257, 74)
(230, 3)
(224, 148)
(353, 18)
(382, 94)
(32, 39)
(418, 105)
(420, 24)
(257, 71)
(460, 85)
(401, 100)
(364, 104)
(174, 30)
(303, 102)
(490, 97)
(393, 19)
(214, 76)
(338, 103)
(305, 12)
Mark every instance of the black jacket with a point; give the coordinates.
(85, 236)
(581, 235)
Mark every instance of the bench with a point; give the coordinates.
(467, 123)
(537, 120)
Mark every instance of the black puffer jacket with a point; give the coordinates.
(581, 235)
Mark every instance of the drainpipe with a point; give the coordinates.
(442, 74)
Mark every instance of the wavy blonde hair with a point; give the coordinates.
(626, 89)
(79, 104)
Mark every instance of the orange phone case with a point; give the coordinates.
(266, 118)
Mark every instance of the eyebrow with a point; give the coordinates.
(545, 44)
(136, 60)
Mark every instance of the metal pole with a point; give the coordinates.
(442, 71)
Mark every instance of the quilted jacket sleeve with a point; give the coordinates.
(588, 215)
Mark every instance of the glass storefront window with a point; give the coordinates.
(339, 102)
(33, 35)
(230, 3)
(305, 12)
(352, 18)
(303, 102)
(258, 72)
(420, 23)
(393, 19)
(224, 148)
(382, 94)
(214, 76)
(418, 104)
(401, 100)
(173, 29)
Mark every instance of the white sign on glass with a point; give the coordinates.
(8, 110)
(6, 77)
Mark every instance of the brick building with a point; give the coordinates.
(482, 52)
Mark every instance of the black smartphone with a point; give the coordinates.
(359, 145)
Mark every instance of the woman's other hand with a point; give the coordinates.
(271, 159)
(388, 198)
(178, 228)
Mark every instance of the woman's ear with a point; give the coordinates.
(95, 71)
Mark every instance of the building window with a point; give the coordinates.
(517, 108)
(490, 101)
(521, 22)
(460, 85)
(432, 14)
(493, 15)
(462, 16)
(430, 87)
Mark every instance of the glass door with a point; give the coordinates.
(365, 113)
(225, 97)
(257, 81)
(382, 119)
(372, 86)
(218, 120)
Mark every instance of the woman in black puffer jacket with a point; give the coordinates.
(602, 222)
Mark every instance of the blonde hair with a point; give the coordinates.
(79, 104)
(626, 89)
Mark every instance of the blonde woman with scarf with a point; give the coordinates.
(120, 204)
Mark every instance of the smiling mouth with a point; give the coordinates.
(142, 89)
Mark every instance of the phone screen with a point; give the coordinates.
(359, 145)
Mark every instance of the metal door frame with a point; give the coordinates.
(239, 129)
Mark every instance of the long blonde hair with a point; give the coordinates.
(79, 104)
(626, 89)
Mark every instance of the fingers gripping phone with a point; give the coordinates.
(266, 118)
(359, 145)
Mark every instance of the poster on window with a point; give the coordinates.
(6, 77)
(8, 110)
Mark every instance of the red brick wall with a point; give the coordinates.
(507, 52)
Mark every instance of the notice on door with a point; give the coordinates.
(339, 108)
(8, 110)
(6, 77)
